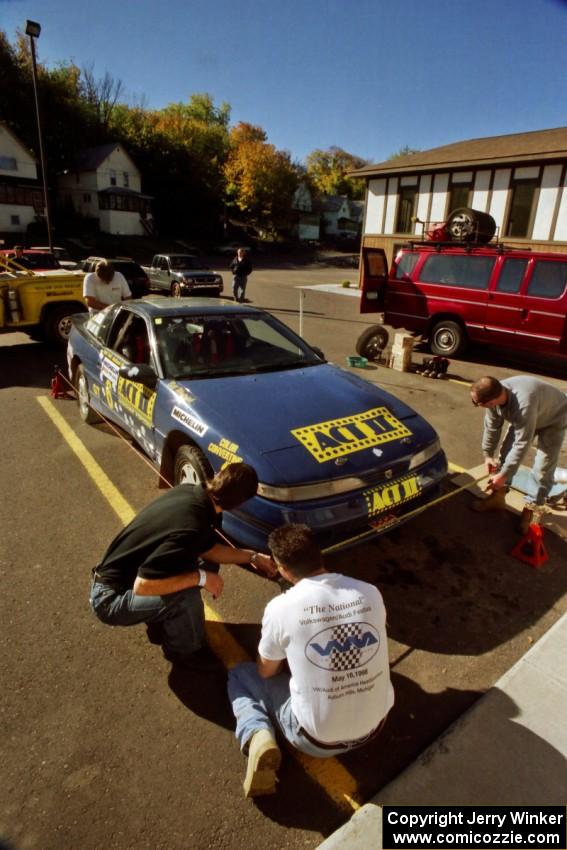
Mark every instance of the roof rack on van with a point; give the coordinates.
(470, 247)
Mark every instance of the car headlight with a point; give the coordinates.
(187, 279)
(425, 455)
(305, 492)
(218, 279)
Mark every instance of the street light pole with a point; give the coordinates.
(33, 29)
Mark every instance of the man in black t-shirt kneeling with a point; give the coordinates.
(152, 572)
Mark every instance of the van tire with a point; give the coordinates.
(447, 338)
(372, 342)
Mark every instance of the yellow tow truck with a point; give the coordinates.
(41, 301)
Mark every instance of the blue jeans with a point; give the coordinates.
(181, 613)
(266, 704)
(239, 287)
(549, 443)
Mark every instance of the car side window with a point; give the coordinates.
(511, 275)
(458, 270)
(548, 279)
(163, 264)
(406, 264)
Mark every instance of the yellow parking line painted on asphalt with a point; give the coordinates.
(334, 779)
(112, 495)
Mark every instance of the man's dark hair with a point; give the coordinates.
(486, 389)
(234, 484)
(294, 547)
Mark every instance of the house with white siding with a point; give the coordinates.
(21, 194)
(519, 179)
(105, 184)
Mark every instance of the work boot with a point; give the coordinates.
(264, 759)
(526, 519)
(496, 501)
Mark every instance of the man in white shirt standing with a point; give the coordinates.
(331, 630)
(104, 286)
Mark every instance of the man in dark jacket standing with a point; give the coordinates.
(240, 267)
(152, 572)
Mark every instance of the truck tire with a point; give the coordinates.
(191, 466)
(447, 338)
(57, 323)
(468, 225)
(86, 412)
(372, 342)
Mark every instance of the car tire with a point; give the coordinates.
(86, 412)
(372, 342)
(447, 338)
(57, 324)
(191, 466)
(176, 290)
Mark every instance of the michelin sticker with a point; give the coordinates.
(189, 421)
(329, 440)
(387, 496)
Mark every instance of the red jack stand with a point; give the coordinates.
(530, 549)
(57, 386)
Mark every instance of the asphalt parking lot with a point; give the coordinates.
(103, 748)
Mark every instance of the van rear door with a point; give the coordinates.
(374, 280)
(542, 326)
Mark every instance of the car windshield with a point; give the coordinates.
(185, 261)
(216, 346)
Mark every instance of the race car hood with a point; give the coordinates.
(321, 422)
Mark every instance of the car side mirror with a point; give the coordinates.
(317, 351)
(139, 373)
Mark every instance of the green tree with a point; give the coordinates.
(327, 172)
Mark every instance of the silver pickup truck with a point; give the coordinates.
(183, 274)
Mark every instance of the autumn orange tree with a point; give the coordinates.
(260, 180)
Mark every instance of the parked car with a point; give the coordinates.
(35, 259)
(61, 255)
(199, 383)
(183, 274)
(229, 249)
(137, 279)
(452, 295)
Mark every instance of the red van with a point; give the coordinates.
(451, 295)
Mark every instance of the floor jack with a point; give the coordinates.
(58, 385)
(530, 549)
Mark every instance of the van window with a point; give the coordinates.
(458, 270)
(375, 263)
(548, 279)
(511, 276)
(406, 264)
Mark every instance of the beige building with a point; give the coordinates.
(520, 180)
(104, 183)
(21, 195)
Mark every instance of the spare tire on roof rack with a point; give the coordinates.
(468, 225)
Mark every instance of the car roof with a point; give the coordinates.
(156, 306)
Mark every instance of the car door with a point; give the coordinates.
(130, 403)
(542, 327)
(505, 303)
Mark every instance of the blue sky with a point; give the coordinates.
(370, 76)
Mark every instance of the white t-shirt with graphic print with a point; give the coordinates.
(332, 630)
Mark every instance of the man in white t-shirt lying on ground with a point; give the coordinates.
(331, 630)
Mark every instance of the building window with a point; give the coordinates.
(14, 219)
(522, 209)
(87, 198)
(112, 177)
(126, 177)
(459, 196)
(406, 208)
(8, 163)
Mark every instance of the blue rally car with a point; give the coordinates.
(199, 383)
